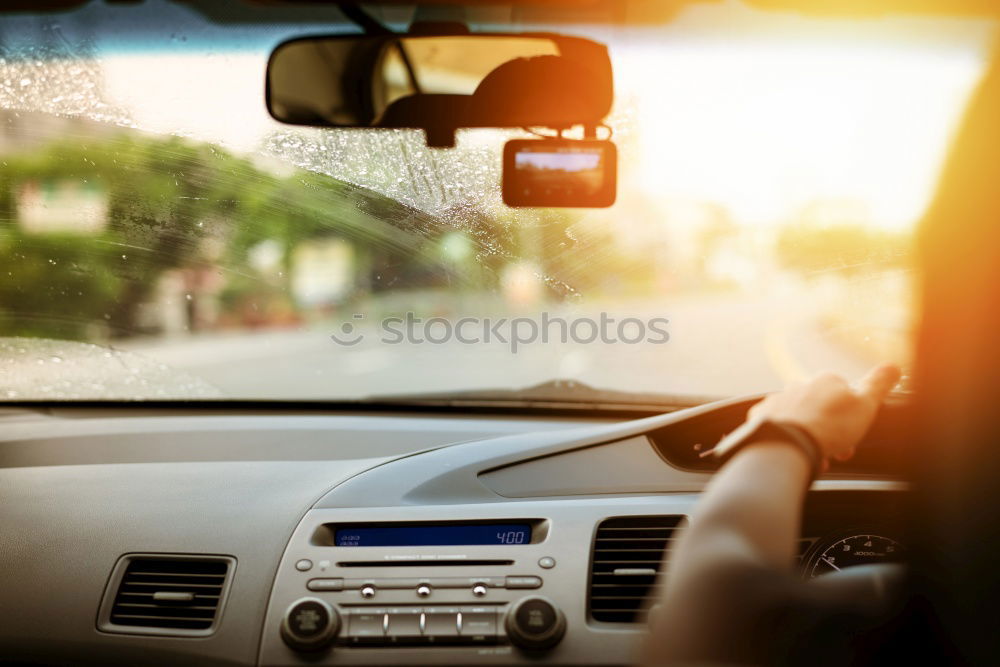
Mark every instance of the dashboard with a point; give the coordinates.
(155, 536)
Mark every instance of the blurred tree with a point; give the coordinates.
(165, 197)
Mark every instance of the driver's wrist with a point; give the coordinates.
(780, 453)
(769, 431)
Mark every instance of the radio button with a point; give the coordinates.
(441, 625)
(479, 590)
(478, 624)
(423, 591)
(368, 592)
(404, 623)
(325, 584)
(524, 582)
(366, 626)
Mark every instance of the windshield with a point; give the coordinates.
(162, 237)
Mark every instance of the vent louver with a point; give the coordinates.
(628, 555)
(166, 595)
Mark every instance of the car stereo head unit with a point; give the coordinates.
(360, 587)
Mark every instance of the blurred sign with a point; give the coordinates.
(322, 272)
(68, 206)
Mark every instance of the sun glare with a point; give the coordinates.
(766, 131)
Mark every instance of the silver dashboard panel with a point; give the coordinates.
(571, 525)
(479, 481)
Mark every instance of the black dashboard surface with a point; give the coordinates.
(881, 453)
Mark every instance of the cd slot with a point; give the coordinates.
(437, 562)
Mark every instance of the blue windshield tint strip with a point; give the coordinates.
(432, 536)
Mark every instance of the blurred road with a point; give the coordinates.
(722, 345)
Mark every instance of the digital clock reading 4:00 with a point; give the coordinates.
(512, 537)
(429, 535)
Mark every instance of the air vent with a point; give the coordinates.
(628, 555)
(166, 595)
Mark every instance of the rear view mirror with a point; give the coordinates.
(440, 82)
(559, 173)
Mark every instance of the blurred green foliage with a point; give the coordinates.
(165, 197)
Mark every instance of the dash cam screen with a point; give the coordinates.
(561, 170)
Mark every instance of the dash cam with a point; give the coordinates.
(567, 173)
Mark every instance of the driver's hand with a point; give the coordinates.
(832, 411)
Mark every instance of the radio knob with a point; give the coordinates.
(368, 592)
(423, 590)
(535, 624)
(479, 590)
(309, 624)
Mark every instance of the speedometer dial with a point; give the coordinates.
(855, 550)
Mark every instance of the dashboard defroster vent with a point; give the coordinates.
(166, 595)
(627, 558)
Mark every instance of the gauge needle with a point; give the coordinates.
(830, 563)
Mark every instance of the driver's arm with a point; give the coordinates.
(746, 526)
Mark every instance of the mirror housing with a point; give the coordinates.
(440, 82)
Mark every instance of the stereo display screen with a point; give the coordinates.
(431, 535)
